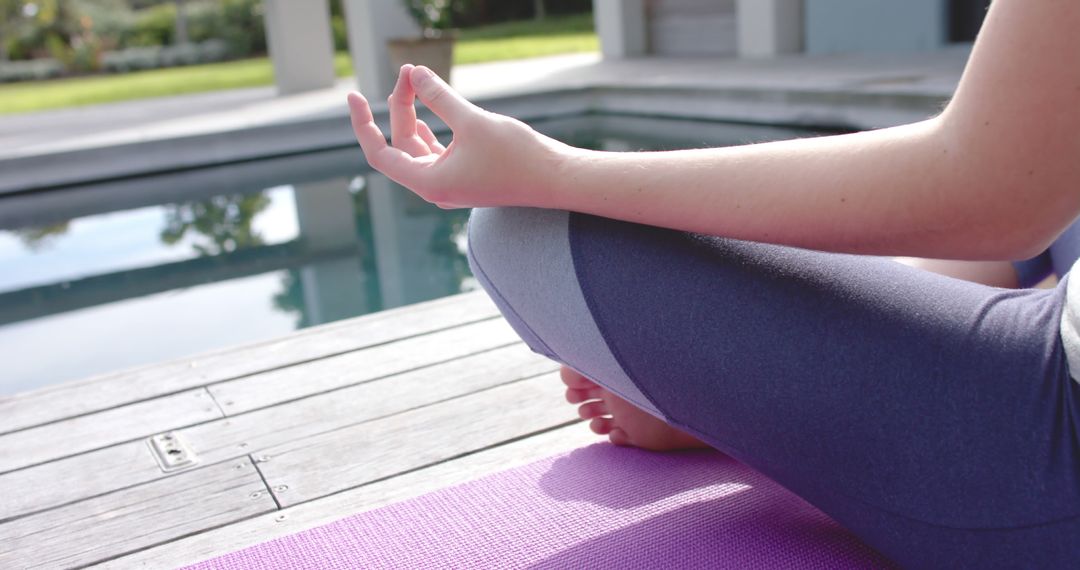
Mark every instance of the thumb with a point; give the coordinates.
(434, 93)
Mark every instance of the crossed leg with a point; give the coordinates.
(933, 417)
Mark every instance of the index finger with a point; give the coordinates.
(394, 163)
(367, 132)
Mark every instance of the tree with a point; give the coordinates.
(225, 222)
(39, 238)
(181, 22)
(13, 18)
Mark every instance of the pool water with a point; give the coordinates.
(119, 274)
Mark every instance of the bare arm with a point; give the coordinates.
(996, 176)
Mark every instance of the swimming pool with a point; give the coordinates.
(122, 273)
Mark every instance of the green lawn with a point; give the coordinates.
(513, 40)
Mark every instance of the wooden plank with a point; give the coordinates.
(127, 521)
(103, 392)
(258, 431)
(95, 431)
(254, 392)
(309, 468)
(106, 470)
(75, 478)
(295, 519)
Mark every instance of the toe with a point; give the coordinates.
(619, 437)
(573, 379)
(575, 396)
(602, 426)
(593, 409)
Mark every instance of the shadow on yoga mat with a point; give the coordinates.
(597, 507)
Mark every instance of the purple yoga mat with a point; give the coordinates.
(597, 507)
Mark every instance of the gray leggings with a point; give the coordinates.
(934, 418)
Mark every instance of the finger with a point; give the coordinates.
(394, 163)
(428, 137)
(403, 116)
(367, 132)
(433, 92)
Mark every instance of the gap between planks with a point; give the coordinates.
(55, 441)
(261, 528)
(101, 393)
(106, 470)
(94, 530)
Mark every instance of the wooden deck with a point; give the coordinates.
(288, 434)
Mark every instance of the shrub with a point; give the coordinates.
(341, 35)
(243, 27)
(139, 58)
(213, 50)
(30, 70)
(176, 55)
(132, 59)
(237, 23)
(154, 26)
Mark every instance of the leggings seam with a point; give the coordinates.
(601, 326)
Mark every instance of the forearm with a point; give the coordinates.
(883, 192)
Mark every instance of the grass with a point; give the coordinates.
(511, 40)
(519, 40)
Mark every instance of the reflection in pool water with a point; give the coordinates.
(126, 273)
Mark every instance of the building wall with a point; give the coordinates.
(835, 26)
(691, 27)
(634, 28)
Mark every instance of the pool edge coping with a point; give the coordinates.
(803, 108)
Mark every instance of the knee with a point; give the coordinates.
(515, 254)
(509, 247)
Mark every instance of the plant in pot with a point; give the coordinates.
(435, 47)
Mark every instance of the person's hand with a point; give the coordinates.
(492, 161)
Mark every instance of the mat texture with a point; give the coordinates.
(597, 507)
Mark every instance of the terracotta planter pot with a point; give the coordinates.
(435, 53)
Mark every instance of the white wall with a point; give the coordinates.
(621, 27)
(837, 26)
(692, 27)
(301, 44)
(768, 28)
(370, 23)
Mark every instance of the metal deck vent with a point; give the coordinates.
(171, 452)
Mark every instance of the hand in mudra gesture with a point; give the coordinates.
(493, 160)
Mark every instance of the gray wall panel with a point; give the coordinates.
(837, 26)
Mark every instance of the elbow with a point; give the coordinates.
(1011, 194)
(1006, 236)
(988, 244)
(1016, 235)
(1033, 216)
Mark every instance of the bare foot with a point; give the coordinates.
(623, 422)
